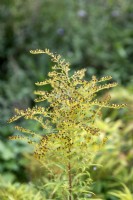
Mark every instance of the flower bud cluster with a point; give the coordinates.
(71, 114)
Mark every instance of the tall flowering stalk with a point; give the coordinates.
(71, 135)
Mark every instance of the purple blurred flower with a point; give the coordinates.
(82, 13)
(115, 13)
(60, 31)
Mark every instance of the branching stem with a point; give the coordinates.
(70, 181)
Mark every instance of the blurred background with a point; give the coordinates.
(92, 34)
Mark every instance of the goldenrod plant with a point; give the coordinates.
(70, 135)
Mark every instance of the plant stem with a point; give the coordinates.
(70, 181)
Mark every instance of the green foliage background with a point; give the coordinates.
(96, 35)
